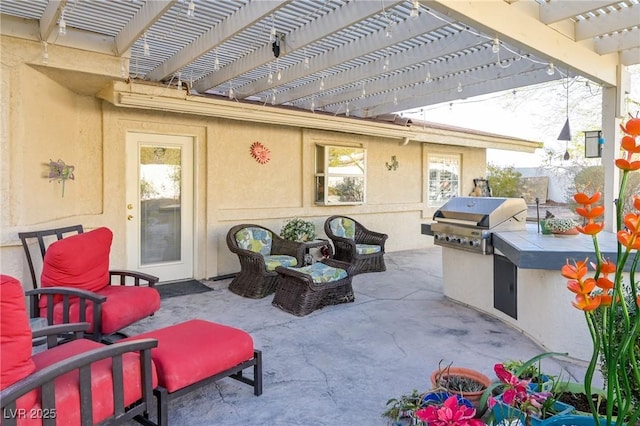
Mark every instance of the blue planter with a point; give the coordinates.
(574, 420)
(502, 411)
(438, 398)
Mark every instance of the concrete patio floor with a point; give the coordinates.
(341, 364)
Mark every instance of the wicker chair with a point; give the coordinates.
(260, 251)
(355, 244)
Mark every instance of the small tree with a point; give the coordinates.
(504, 181)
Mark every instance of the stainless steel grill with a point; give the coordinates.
(467, 223)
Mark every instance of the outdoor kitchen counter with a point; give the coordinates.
(532, 250)
(521, 284)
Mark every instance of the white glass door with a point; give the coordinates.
(160, 205)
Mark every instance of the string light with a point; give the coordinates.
(459, 87)
(415, 9)
(346, 112)
(551, 69)
(279, 74)
(322, 83)
(496, 45)
(62, 25)
(364, 92)
(270, 78)
(273, 97)
(216, 61)
(427, 79)
(306, 59)
(179, 81)
(386, 63)
(395, 97)
(313, 104)
(191, 10)
(45, 52)
(231, 93)
(145, 46)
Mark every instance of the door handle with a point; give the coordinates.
(130, 217)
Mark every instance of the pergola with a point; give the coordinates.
(359, 58)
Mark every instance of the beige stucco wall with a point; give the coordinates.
(44, 118)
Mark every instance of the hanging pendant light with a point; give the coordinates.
(565, 133)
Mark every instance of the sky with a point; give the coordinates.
(535, 113)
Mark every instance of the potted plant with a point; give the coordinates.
(410, 408)
(299, 230)
(519, 403)
(468, 383)
(561, 226)
(538, 381)
(609, 298)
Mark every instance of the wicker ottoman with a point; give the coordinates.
(301, 291)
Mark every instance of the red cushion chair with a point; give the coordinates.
(76, 269)
(81, 382)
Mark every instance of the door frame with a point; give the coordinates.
(188, 144)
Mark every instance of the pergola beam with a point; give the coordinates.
(150, 13)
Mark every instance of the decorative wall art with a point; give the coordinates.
(60, 172)
(261, 153)
(393, 165)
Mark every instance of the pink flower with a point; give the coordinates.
(449, 414)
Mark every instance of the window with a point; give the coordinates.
(444, 179)
(340, 175)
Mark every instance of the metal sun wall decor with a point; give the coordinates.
(261, 153)
(60, 172)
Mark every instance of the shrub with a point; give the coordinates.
(297, 229)
(504, 181)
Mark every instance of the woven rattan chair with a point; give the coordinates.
(301, 291)
(260, 251)
(355, 244)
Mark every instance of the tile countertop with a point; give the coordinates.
(532, 250)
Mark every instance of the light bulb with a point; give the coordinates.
(395, 98)
(62, 25)
(313, 105)
(145, 46)
(322, 83)
(306, 63)
(273, 98)
(231, 94)
(459, 87)
(364, 92)
(273, 33)
(270, 78)
(346, 113)
(45, 52)
(216, 63)
(191, 10)
(279, 75)
(415, 9)
(388, 32)
(427, 79)
(386, 64)
(496, 45)
(179, 81)
(551, 69)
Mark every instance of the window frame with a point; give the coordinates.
(322, 175)
(444, 160)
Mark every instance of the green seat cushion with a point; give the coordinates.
(258, 240)
(367, 248)
(275, 260)
(343, 227)
(321, 273)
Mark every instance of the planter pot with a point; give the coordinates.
(438, 398)
(575, 420)
(474, 396)
(505, 414)
(570, 232)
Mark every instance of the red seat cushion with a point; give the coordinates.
(79, 261)
(67, 389)
(195, 350)
(15, 333)
(124, 306)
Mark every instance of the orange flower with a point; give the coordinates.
(631, 221)
(623, 164)
(575, 271)
(636, 202)
(630, 241)
(605, 283)
(584, 199)
(590, 212)
(632, 127)
(629, 144)
(605, 299)
(586, 303)
(591, 228)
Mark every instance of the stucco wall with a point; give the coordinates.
(48, 119)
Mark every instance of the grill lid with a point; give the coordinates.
(483, 212)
